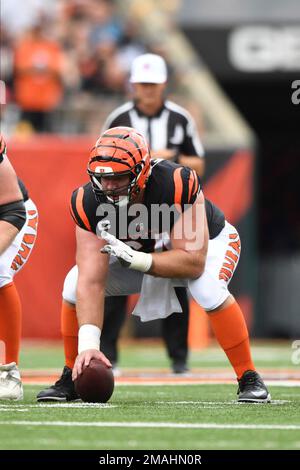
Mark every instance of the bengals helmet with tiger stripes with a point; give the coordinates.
(119, 151)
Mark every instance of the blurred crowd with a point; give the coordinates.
(55, 52)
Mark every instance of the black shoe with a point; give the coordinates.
(180, 368)
(252, 388)
(62, 390)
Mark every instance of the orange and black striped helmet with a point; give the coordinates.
(119, 151)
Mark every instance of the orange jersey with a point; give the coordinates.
(38, 71)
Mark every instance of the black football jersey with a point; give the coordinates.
(170, 186)
(23, 190)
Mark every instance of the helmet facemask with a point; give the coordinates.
(122, 195)
(119, 152)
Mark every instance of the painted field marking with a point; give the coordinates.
(112, 424)
(81, 405)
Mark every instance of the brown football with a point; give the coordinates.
(96, 383)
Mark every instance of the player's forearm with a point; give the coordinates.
(90, 304)
(194, 162)
(177, 263)
(9, 187)
(89, 308)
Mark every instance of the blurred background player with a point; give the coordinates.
(18, 224)
(172, 135)
(38, 81)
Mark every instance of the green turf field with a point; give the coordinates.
(151, 354)
(198, 416)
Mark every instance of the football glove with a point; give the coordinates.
(127, 256)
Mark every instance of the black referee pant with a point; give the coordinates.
(174, 328)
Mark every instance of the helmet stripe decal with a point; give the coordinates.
(109, 159)
(123, 139)
(117, 148)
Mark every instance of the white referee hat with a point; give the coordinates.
(148, 68)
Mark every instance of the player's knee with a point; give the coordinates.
(70, 284)
(5, 279)
(6, 276)
(210, 295)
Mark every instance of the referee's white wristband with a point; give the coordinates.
(88, 338)
(141, 261)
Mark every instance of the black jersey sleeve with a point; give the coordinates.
(187, 186)
(173, 184)
(23, 190)
(80, 208)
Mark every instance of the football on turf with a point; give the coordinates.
(96, 383)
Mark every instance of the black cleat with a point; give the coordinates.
(62, 390)
(180, 368)
(252, 388)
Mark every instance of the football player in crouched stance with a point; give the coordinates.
(203, 252)
(18, 222)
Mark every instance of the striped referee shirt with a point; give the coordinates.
(172, 127)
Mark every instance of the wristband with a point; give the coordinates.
(88, 338)
(141, 261)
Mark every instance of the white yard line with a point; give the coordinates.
(39, 406)
(112, 424)
(81, 405)
(272, 383)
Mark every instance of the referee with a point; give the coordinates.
(172, 135)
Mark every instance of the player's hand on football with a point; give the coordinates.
(83, 359)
